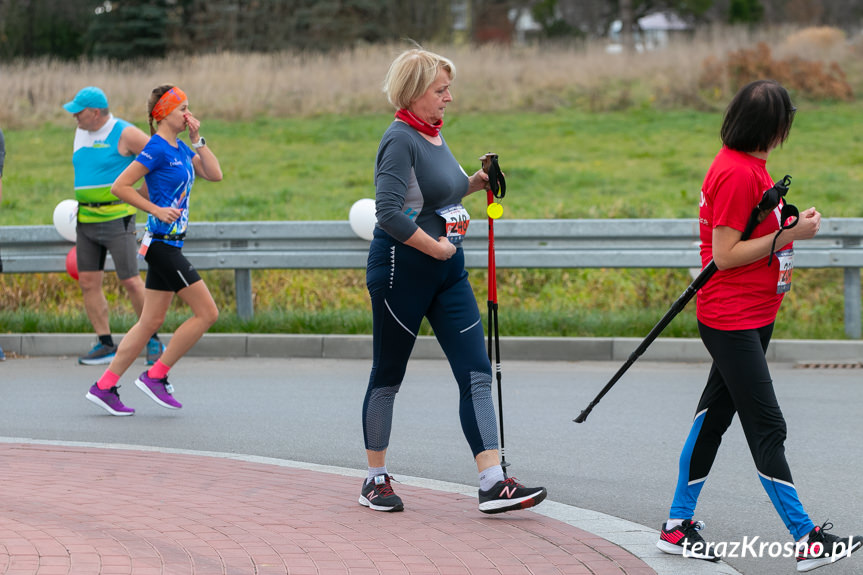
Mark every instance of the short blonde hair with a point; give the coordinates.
(411, 74)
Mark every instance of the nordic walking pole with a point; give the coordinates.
(496, 190)
(769, 201)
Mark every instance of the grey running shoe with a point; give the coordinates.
(101, 354)
(154, 350)
(378, 494)
(509, 495)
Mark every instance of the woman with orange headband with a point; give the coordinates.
(169, 167)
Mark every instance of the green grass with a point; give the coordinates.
(563, 164)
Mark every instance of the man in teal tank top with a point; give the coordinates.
(103, 147)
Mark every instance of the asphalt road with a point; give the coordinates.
(622, 461)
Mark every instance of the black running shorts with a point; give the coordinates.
(168, 269)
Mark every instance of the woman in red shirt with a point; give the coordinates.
(736, 311)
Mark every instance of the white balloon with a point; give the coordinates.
(66, 219)
(363, 219)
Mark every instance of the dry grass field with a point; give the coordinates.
(691, 72)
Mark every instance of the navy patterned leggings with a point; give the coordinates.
(405, 285)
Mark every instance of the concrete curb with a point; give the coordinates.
(512, 348)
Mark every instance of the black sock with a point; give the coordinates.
(106, 340)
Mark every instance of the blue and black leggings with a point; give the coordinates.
(405, 285)
(739, 382)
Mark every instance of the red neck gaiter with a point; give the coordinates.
(414, 122)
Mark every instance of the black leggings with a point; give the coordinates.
(739, 382)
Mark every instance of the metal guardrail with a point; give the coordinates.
(615, 243)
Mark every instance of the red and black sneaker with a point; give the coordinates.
(509, 495)
(685, 540)
(378, 494)
(824, 548)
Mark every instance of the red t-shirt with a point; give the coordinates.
(743, 297)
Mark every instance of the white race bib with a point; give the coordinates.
(145, 245)
(786, 266)
(457, 220)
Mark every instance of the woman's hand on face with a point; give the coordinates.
(194, 126)
(446, 249)
(167, 215)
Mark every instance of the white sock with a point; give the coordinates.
(672, 523)
(489, 476)
(375, 471)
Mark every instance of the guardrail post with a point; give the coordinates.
(243, 289)
(852, 303)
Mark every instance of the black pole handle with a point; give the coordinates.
(496, 180)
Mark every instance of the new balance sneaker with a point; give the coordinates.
(685, 540)
(109, 400)
(508, 495)
(154, 350)
(824, 548)
(159, 390)
(378, 494)
(101, 354)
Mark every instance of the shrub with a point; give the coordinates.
(811, 79)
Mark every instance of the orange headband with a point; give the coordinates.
(168, 103)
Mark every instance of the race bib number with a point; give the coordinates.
(145, 245)
(457, 220)
(786, 266)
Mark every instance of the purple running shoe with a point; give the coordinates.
(159, 390)
(109, 400)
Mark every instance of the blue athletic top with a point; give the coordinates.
(413, 179)
(170, 182)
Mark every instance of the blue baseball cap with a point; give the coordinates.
(89, 97)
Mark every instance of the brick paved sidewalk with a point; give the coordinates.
(89, 511)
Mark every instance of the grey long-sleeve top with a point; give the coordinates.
(413, 178)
